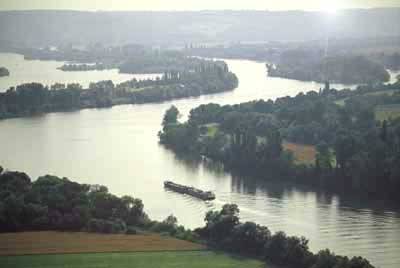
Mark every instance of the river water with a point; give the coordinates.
(46, 72)
(118, 147)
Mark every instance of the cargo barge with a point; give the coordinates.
(189, 191)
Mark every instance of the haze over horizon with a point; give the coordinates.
(194, 5)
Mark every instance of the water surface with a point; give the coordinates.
(46, 72)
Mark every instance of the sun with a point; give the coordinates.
(330, 6)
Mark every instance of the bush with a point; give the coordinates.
(131, 230)
(327, 259)
(169, 225)
(284, 250)
(107, 226)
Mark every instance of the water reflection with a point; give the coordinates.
(343, 223)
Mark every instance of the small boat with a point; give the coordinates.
(189, 190)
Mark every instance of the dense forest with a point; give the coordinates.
(132, 58)
(349, 61)
(52, 203)
(89, 54)
(314, 66)
(355, 135)
(4, 71)
(206, 78)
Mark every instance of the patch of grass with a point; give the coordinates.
(303, 154)
(79, 242)
(179, 259)
(212, 129)
(386, 112)
(341, 102)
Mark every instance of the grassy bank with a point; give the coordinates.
(178, 259)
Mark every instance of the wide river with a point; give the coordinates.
(118, 147)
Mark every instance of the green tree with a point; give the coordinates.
(171, 116)
(219, 225)
(323, 158)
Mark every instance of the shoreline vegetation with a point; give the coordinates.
(197, 77)
(70, 67)
(355, 61)
(129, 59)
(58, 204)
(337, 69)
(310, 138)
(4, 72)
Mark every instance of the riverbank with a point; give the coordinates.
(52, 203)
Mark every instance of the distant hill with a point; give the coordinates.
(44, 28)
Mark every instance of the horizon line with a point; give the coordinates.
(195, 10)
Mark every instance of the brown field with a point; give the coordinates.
(28, 243)
(303, 154)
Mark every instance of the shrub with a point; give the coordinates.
(107, 226)
(131, 230)
(284, 250)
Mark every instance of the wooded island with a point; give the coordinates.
(199, 77)
(350, 139)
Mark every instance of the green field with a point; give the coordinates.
(177, 259)
(212, 129)
(341, 102)
(386, 112)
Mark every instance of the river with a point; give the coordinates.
(46, 72)
(118, 147)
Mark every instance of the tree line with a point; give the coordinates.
(52, 203)
(130, 58)
(207, 78)
(355, 151)
(314, 66)
(224, 230)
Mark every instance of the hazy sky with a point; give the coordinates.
(325, 5)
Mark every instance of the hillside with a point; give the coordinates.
(42, 28)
